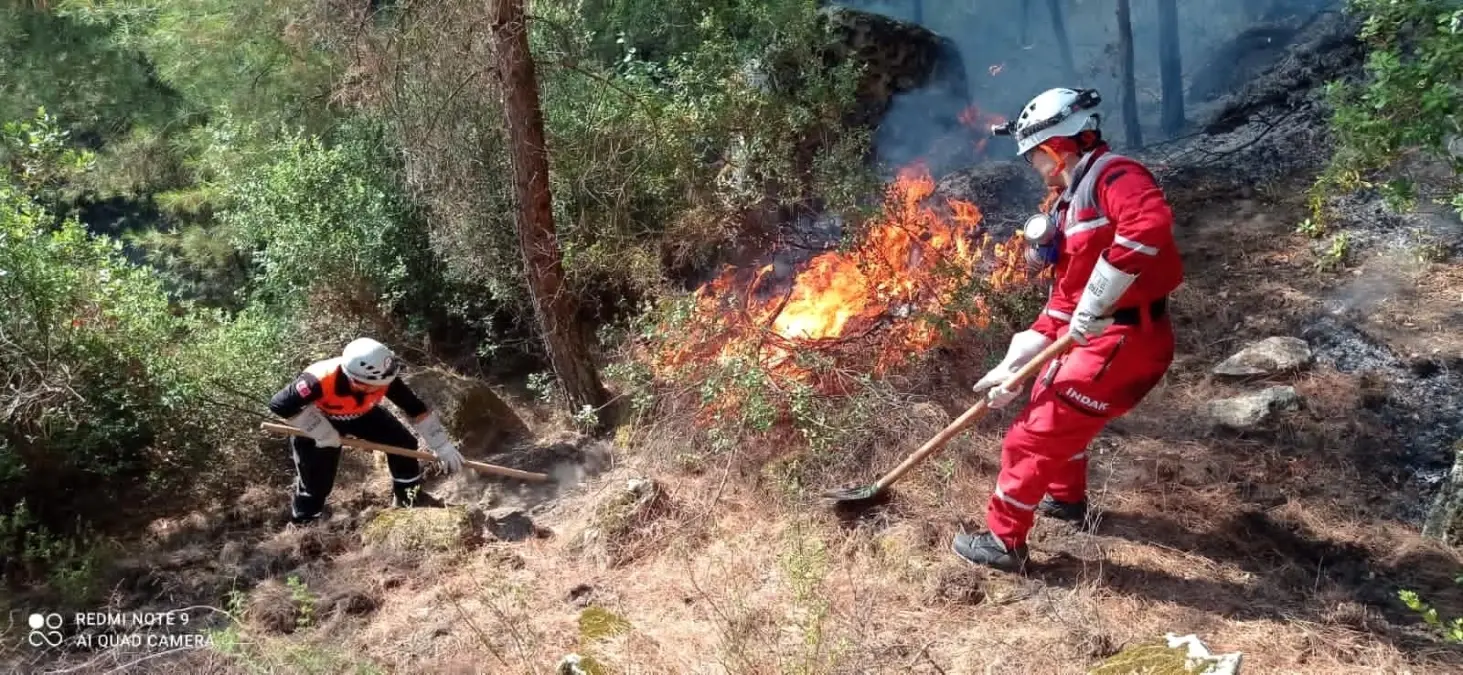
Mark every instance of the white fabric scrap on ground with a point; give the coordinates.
(1223, 664)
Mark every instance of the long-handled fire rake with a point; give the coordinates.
(869, 495)
(361, 444)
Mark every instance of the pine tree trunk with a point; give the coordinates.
(554, 307)
(1170, 66)
(1132, 131)
(1064, 46)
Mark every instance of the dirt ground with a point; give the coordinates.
(1279, 544)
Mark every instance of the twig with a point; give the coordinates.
(483, 638)
(1215, 156)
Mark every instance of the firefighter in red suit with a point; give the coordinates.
(1109, 240)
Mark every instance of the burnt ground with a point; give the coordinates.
(1288, 542)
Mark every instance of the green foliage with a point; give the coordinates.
(102, 393)
(78, 70)
(304, 601)
(1410, 100)
(655, 157)
(1336, 254)
(325, 212)
(39, 158)
(1450, 630)
(253, 58)
(69, 565)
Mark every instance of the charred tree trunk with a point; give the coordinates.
(1064, 46)
(1132, 131)
(1170, 66)
(554, 308)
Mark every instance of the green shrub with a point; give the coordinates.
(1407, 102)
(109, 393)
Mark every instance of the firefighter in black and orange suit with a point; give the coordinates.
(341, 395)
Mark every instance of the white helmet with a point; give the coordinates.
(369, 362)
(1053, 113)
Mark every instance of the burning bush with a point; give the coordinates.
(774, 355)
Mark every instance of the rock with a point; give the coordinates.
(425, 529)
(510, 524)
(1173, 654)
(1251, 410)
(478, 419)
(574, 664)
(581, 595)
(1007, 192)
(1271, 356)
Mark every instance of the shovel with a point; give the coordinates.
(868, 495)
(359, 444)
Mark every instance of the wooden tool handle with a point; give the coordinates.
(974, 413)
(362, 444)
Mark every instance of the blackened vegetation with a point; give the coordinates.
(1276, 67)
(1422, 415)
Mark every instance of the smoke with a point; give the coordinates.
(1010, 53)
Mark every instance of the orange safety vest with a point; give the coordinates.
(337, 399)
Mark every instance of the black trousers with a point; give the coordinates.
(315, 467)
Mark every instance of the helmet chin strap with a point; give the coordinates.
(1058, 149)
(1059, 163)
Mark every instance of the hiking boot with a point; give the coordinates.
(288, 517)
(1074, 512)
(419, 500)
(988, 549)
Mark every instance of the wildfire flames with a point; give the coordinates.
(918, 266)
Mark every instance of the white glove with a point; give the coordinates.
(1104, 288)
(1085, 326)
(1024, 347)
(436, 436)
(314, 424)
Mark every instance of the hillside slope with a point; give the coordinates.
(1287, 539)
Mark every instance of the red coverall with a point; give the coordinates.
(1115, 210)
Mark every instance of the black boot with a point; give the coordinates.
(1074, 512)
(289, 517)
(988, 549)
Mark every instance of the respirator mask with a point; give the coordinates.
(1043, 240)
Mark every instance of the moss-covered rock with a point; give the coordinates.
(1150, 658)
(598, 623)
(428, 529)
(474, 414)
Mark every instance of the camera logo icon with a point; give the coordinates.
(45, 630)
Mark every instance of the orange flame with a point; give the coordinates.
(882, 301)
